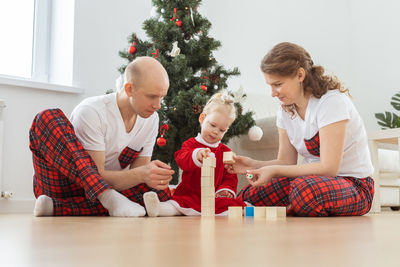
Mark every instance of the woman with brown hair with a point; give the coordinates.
(317, 120)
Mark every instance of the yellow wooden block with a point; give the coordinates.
(228, 157)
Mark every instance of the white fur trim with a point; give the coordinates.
(200, 139)
(194, 158)
(190, 211)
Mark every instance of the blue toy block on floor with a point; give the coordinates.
(249, 211)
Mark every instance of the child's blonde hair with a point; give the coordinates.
(221, 102)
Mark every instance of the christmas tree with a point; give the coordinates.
(178, 38)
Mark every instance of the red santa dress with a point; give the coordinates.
(187, 196)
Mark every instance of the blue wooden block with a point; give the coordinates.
(249, 211)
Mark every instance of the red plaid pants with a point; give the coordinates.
(314, 195)
(65, 172)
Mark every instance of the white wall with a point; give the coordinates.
(375, 56)
(356, 40)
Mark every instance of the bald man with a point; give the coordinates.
(101, 163)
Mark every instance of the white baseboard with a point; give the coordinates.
(16, 206)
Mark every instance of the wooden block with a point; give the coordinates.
(228, 157)
(207, 181)
(259, 212)
(207, 171)
(208, 201)
(281, 212)
(207, 212)
(273, 213)
(249, 211)
(209, 162)
(235, 212)
(207, 191)
(207, 206)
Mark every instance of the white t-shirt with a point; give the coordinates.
(331, 107)
(99, 126)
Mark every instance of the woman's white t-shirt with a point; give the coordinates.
(331, 107)
(99, 126)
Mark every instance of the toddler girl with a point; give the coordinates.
(215, 120)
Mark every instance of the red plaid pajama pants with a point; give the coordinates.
(65, 172)
(314, 195)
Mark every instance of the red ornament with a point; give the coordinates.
(204, 88)
(161, 141)
(132, 49)
(175, 17)
(156, 55)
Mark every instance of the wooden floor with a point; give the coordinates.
(372, 240)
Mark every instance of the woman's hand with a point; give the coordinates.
(262, 176)
(241, 165)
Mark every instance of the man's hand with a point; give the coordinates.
(157, 174)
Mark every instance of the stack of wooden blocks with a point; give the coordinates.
(207, 187)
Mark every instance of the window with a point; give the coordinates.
(16, 31)
(31, 34)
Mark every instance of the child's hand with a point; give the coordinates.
(224, 193)
(202, 153)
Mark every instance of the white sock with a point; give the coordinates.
(120, 206)
(43, 206)
(152, 203)
(156, 208)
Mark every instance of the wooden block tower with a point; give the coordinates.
(207, 187)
